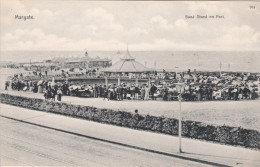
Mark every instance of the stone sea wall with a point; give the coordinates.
(191, 129)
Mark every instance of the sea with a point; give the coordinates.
(240, 61)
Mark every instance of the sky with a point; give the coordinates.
(111, 25)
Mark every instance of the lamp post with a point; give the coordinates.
(180, 88)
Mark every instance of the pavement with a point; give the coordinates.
(193, 150)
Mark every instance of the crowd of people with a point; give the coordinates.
(198, 87)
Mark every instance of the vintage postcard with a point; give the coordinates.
(129, 83)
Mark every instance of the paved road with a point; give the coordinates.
(27, 145)
(195, 149)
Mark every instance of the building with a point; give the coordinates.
(85, 62)
(127, 64)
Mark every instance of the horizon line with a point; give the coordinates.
(165, 50)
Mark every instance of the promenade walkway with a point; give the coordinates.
(193, 149)
(231, 113)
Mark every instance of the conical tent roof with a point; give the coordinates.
(128, 56)
(127, 64)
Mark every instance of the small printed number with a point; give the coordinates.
(251, 7)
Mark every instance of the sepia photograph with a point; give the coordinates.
(129, 83)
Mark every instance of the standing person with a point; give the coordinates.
(40, 88)
(142, 92)
(45, 94)
(95, 89)
(18, 85)
(35, 87)
(203, 93)
(132, 89)
(59, 94)
(49, 95)
(128, 93)
(206, 93)
(147, 91)
(240, 93)
(114, 93)
(229, 93)
(189, 73)
(105, 90)
(136, 92)
(100, 90)
(166, 93)
(245, 92)
(53, 93)
(153, 90)
(49, 86)
(27, 85)
(31, 86)
(111, 93)
(122, 93)
(65, 88)
(6, 85)
(200, 91)
(118, 93)
(210, 92)
(174, 75)
(236, 93)
(13, 84)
